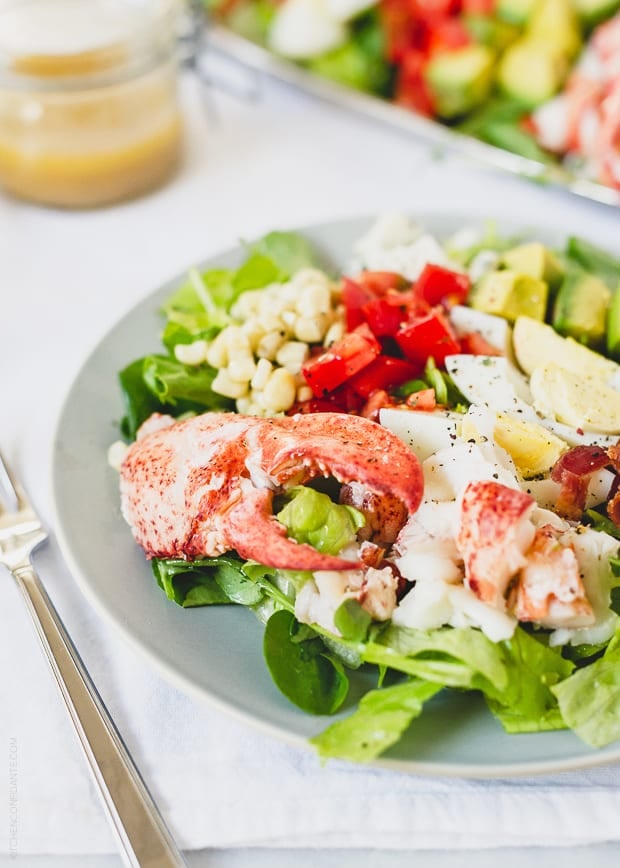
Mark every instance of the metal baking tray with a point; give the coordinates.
(249, 54)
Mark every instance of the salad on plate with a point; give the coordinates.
(538, 78)
(412, 468)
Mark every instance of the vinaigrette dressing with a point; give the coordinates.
(88, 110)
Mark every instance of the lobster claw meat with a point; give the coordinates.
(204, 486)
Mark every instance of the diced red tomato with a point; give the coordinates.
(342, 360)
(438, 285)
(479, 7)
(448, 35)
(376, 402)
(422, 400)
(341, 400)
(429, 335)
(384, 372)
(401, 26)
(354, 297)
(411, 90)
(474, 344)
(386, 315)
(381, 282)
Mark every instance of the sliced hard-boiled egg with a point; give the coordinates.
(533, 448)
(424, 432)
(493, 382)
(579, 400)
(303, 29)
(494, 329)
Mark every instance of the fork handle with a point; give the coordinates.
(142, 835)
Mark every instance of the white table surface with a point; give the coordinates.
(66, 277)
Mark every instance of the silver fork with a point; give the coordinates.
(141, 833)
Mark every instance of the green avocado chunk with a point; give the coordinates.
(515, 11)
(592, 12)
(532, 70)
(581, 306)
(510, 294)
(613, 326)
(460, 80)
(537, 261)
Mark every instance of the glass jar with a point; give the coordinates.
(88, 99)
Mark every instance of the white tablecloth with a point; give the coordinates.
(65, 278)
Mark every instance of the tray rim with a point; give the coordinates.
(259, 59)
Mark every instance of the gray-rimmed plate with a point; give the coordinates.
(216, 653)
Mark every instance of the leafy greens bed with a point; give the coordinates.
(528, 684)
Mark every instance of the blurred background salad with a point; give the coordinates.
(540, 78)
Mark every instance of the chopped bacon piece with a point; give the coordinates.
(573, 471)
(613, 453)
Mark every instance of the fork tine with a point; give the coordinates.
(12, 495)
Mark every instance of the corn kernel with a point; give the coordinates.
(262, 374)
(116, 454)
(241, 368)
(217, 351)
(292, 355)
(310, 329)
(223, 385)
(313, 299)
(333, 334)
(269, 344)
(280, 391)
(304, 393)
(247, 304)
(191, 354)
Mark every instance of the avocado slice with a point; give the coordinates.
(537, 261)
(581, 306)
(592, 12)
(460, 80)
(555, 22)
(613, 326)
(510, 295)
(489, 31)
(532, 71)
(516, 11)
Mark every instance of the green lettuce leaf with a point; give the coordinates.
(172, 382)
(452, 657)
(288, 251)
(206, 581)
(527, 703)
(301, 666)
(380, 720)
(590, 699)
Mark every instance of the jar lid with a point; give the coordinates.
(66, 39)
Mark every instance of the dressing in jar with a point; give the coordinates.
(88, 99)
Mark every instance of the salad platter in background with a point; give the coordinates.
(528, 88)
(213, 651)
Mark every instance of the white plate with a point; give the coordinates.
(216, 653)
